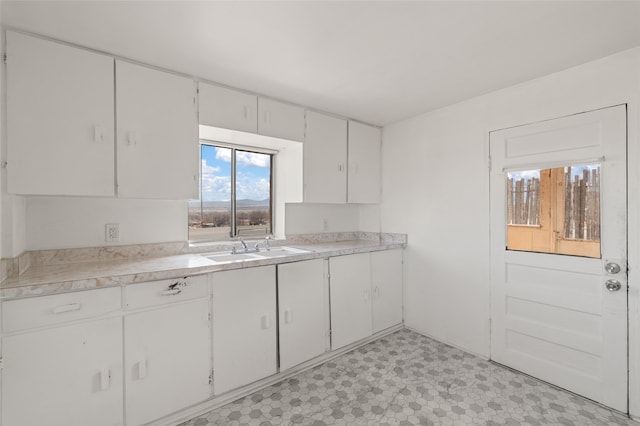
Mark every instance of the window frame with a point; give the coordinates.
(233, 232)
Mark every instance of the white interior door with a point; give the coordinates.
(553, 316)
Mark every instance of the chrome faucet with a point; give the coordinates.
(244, 245)
(266, 243)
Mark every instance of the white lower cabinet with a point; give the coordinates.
(167, 349)
(304, 311)
(386, 289)
(366, 295)
(70, 374)
(244, 326)
(350, 283)
(62, 355)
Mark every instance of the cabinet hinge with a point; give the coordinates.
(1, 364)
(4, 58)
(489, 162)
(211, 377)
(209, 315)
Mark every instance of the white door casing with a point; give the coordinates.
(552, 315)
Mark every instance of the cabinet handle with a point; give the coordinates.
(367, 294)
(105, 379)
(288, 316)
(376, 293)
(142, 369)
(340, 167)
(172, 292)
(67, 308)
(98, 135)
(267, 117)
(132, 138)
(266, 322)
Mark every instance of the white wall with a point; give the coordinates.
(310, 218)
(67, 222)
(307, 218)
(435, 188)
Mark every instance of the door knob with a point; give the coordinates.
(613, 285)
(612, 268)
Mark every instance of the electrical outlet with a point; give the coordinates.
(112, 232)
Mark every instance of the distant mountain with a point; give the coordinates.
(219, 205)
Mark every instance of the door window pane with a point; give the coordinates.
(555, 210)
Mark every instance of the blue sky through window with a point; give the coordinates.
(252, 174)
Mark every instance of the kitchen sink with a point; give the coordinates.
(242, 256)
(281, 251)
(228, 257)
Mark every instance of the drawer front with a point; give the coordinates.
(158, 293)
(59, 308)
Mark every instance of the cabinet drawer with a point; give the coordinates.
(163, 292)
(59, 308)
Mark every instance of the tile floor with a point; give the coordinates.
(404, 379)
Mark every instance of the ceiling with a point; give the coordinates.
(378, 62)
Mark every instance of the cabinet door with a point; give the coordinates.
(167, 359)
(60, 119)
(325, 156)
(386, 287)
(350, 285)
(157, 134)
(69, 375)
(227, 108)
(280, 120)
(303, 311)
(364, 164)
(244, 328)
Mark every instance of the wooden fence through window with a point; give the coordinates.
(523, 201)
(581, 203)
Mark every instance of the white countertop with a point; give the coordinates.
(59, 278)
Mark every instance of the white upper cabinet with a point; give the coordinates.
(280, 120)
(364, 164)
(157, 134)
(228, 108)
(325, 158)
(59, 119)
